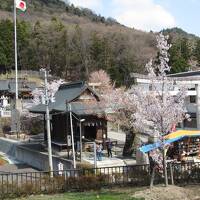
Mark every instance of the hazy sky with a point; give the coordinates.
(149, 14)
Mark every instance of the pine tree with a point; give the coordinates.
(179, 56)
(197, 51)
(185, 50)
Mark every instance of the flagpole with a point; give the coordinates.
(16, 67)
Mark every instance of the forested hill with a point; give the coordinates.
(73, 41)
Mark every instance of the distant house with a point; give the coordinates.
(190, 80)
(7, 94)
(88, 114)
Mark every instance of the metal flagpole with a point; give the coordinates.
(16, 112)
(16, 67)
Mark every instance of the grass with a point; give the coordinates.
(121, 194)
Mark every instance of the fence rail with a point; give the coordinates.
(5, 113)
(17, 184)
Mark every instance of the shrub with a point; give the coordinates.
(138, 175)
(5, 125)
(6, 129)
(84, 165)
(32, 126)
(195, 175)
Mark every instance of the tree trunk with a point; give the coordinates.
(165, 168)
(130, 136)
(152, 178)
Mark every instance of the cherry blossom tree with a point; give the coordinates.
(118, 104)
(153, 111)
(38, 95)
(157, 110)
(101, 81)
(122, 106)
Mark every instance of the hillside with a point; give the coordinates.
(179, 33)
(72, 42)
(185, 50)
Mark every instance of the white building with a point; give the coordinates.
(7, 94)
(191, 80)
(4, 107)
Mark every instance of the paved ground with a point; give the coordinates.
(109, 162)
(16, 168)
(117, 159)
(119, 136)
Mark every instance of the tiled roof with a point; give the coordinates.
(9, 85)
(66, 93)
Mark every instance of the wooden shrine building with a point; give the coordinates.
(87, 114)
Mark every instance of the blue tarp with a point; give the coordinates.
(149, 147)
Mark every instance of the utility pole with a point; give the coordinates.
(48, 124)
(72, 136)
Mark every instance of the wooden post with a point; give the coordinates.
(171, 174)
(165, 168)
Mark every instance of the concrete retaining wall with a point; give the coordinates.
(8, 146)
(31, 154)
(38, 159)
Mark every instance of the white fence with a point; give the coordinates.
(5, 113)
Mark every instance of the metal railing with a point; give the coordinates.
(17, 184)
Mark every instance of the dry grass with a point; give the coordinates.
(169, 193)
(35, 79)
(2, 161)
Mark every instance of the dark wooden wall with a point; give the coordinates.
(60, 125)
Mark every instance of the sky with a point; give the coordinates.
(149, 15)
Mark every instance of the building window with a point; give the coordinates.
(192, 123)
(191, 89)
(192, 99)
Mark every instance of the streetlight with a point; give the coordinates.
(72, 135)
(81, 120)
(80, 133)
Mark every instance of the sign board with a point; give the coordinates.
(69, 141)
(60, 168)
